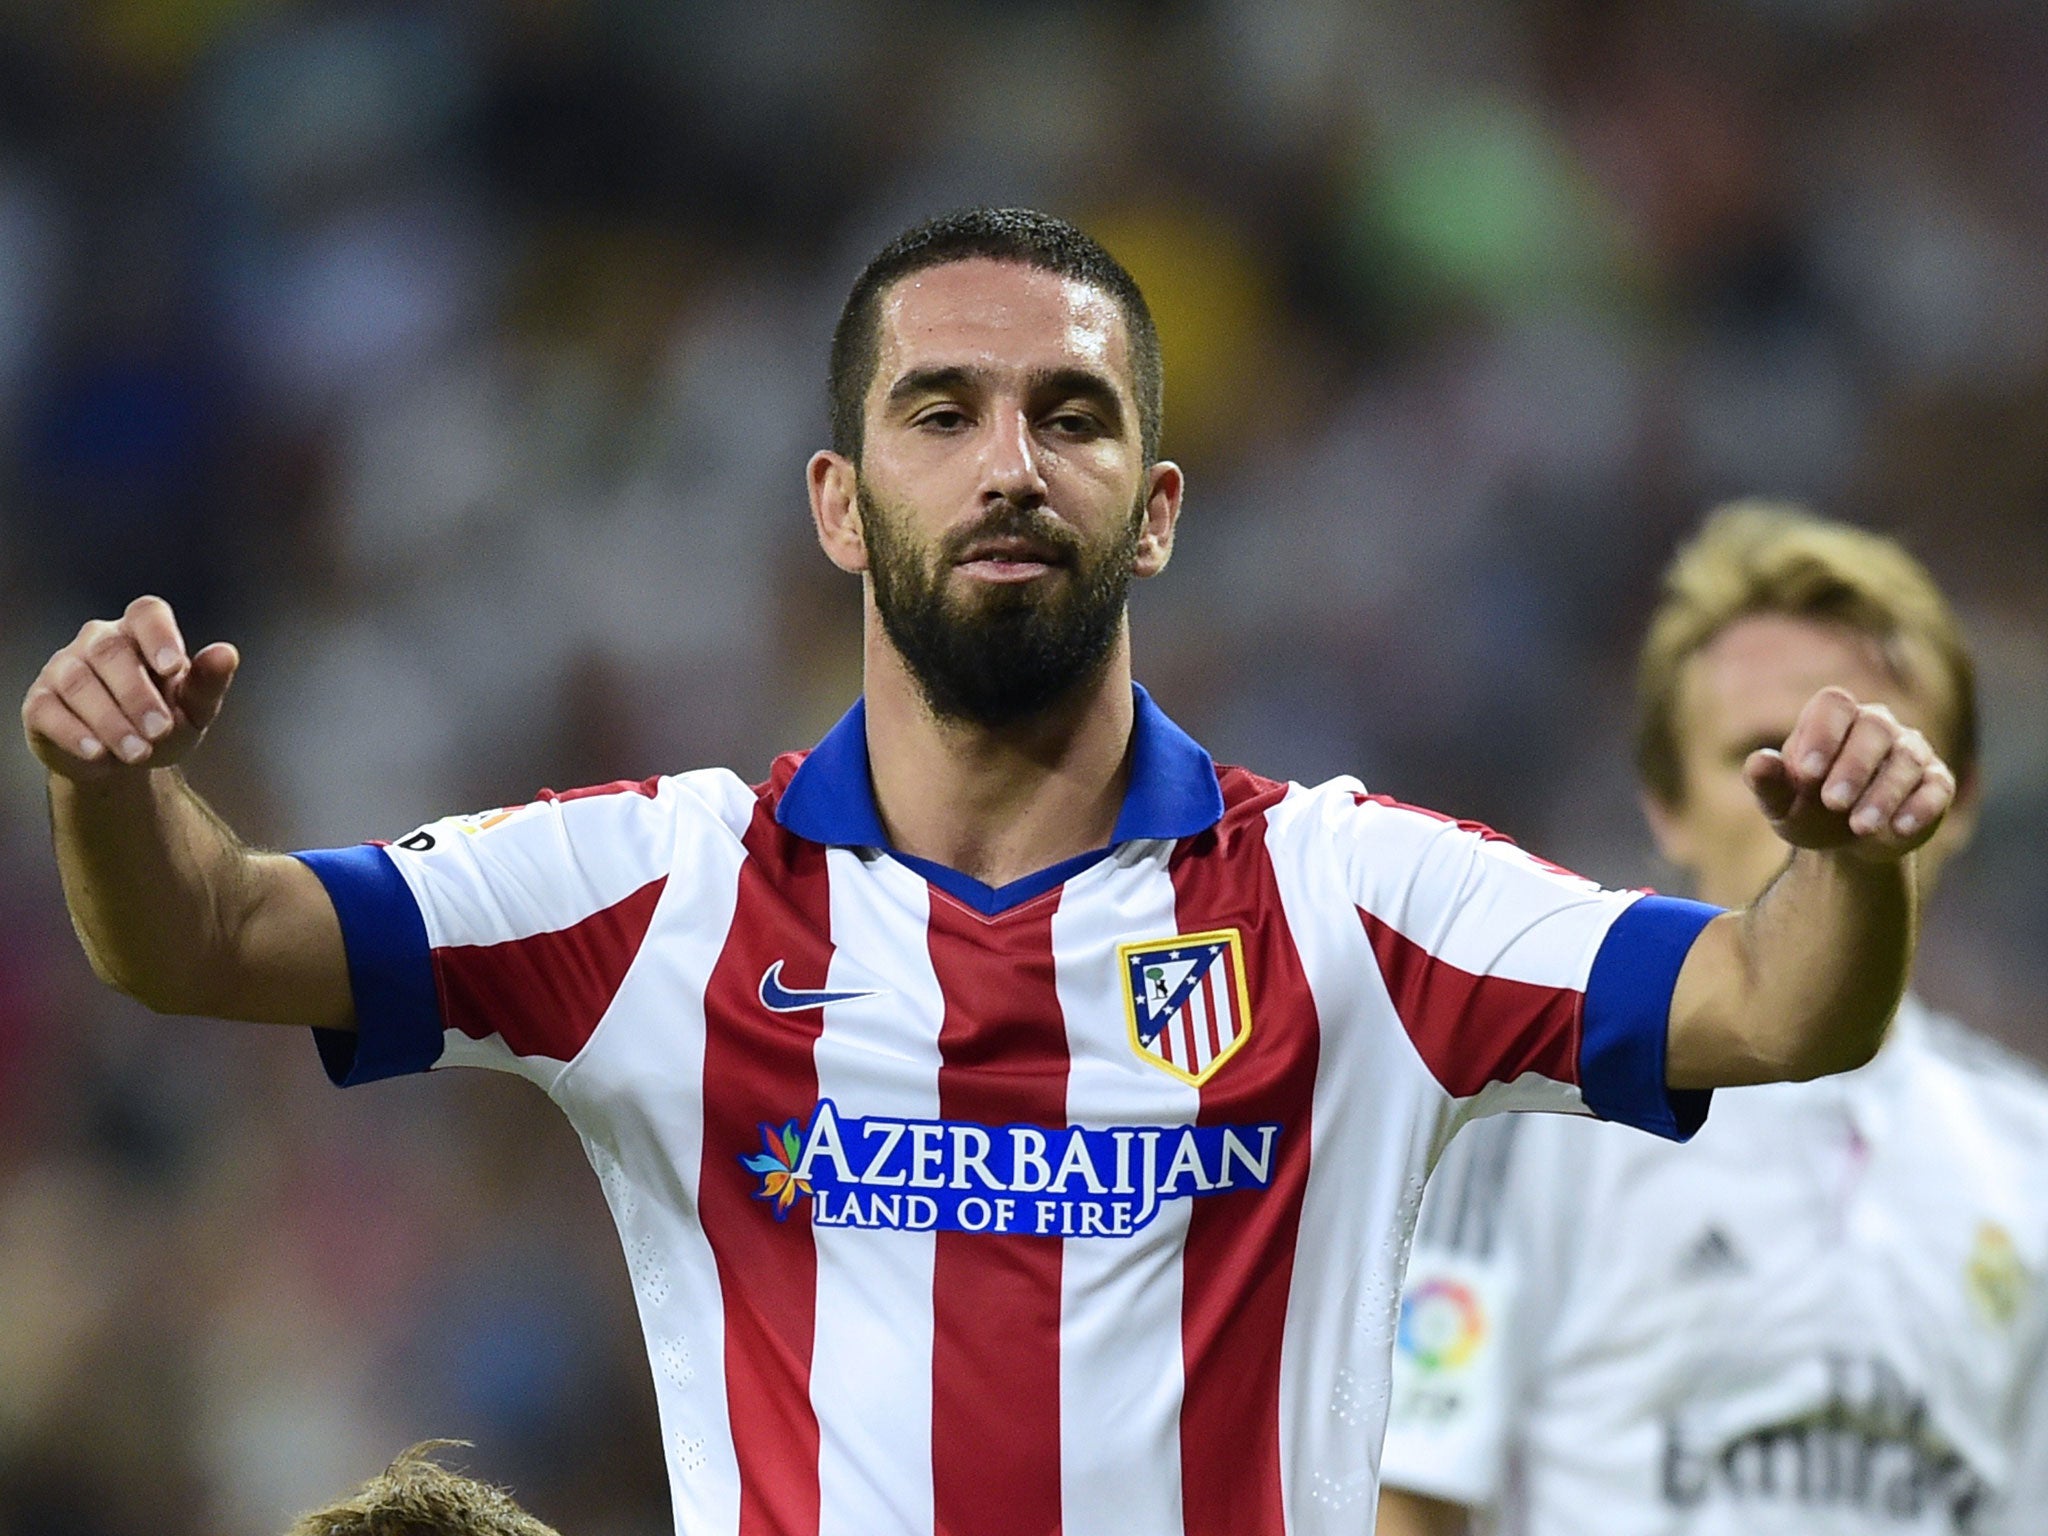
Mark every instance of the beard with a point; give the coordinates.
(1008, 652)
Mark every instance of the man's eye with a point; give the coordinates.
(944, 419)
(1075, 424)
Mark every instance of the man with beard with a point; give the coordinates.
(1014, 1120)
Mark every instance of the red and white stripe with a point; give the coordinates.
(1121, 1364)
(874, 1468)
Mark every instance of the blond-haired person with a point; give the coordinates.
(417, 1496)
(1826, 1314)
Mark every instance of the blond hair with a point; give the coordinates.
(416, 1496)
(1766, 557)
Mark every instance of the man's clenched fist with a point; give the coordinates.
(1850, 776)
(124, 696)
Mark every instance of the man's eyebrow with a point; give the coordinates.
(931, 381)
(1067, 383)
(1097, 389)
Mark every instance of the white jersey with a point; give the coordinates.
(1825, 1317)
(1076, 1206)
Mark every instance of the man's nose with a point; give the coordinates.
(1013, 472)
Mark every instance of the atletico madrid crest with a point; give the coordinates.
(1187, 1001)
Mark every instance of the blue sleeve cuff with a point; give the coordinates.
(390, 969)
(1627, 1024)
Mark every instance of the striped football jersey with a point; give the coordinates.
(1078, 1205)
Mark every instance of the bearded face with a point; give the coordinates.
(993, 653)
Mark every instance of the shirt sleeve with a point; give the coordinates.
(498, 939)
(2019, 1510)
(1461, 1342)
(1522, 985)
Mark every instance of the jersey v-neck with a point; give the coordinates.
(1173, 794)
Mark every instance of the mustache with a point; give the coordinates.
(1009, 520)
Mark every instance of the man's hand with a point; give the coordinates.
(1850, 777)
(171, 906)
(1803, 981)
(125, 696)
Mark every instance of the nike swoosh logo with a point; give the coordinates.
(777, 998)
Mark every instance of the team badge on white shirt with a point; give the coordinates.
(1188, 1004)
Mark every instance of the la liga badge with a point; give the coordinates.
(1187, 1002)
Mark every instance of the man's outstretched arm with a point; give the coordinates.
(1804, 980)
(171, 906)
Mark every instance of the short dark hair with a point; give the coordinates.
(1021, 235)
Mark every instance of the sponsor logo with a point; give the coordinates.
(421, 840)
(1870, 1447)
(962, 1176)
(777, 998)
(1442, 1325)
(1713, 1256)
(780, 1182)
(1186, 1000)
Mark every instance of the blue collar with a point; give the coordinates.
(1173, 794)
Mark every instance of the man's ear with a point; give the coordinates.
(835, 510)
(1671, 831)
(1162, 516)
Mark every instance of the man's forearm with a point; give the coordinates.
(155, 881)
(176, 911)
(1803, 981)
(1830, 944)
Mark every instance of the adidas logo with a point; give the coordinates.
(1712, 1256)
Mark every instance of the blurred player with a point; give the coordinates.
(1013, 1120)
(416, 1496)
(1827, 1314)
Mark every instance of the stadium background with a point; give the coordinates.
(459, 361)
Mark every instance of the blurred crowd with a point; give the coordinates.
(458, 359)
